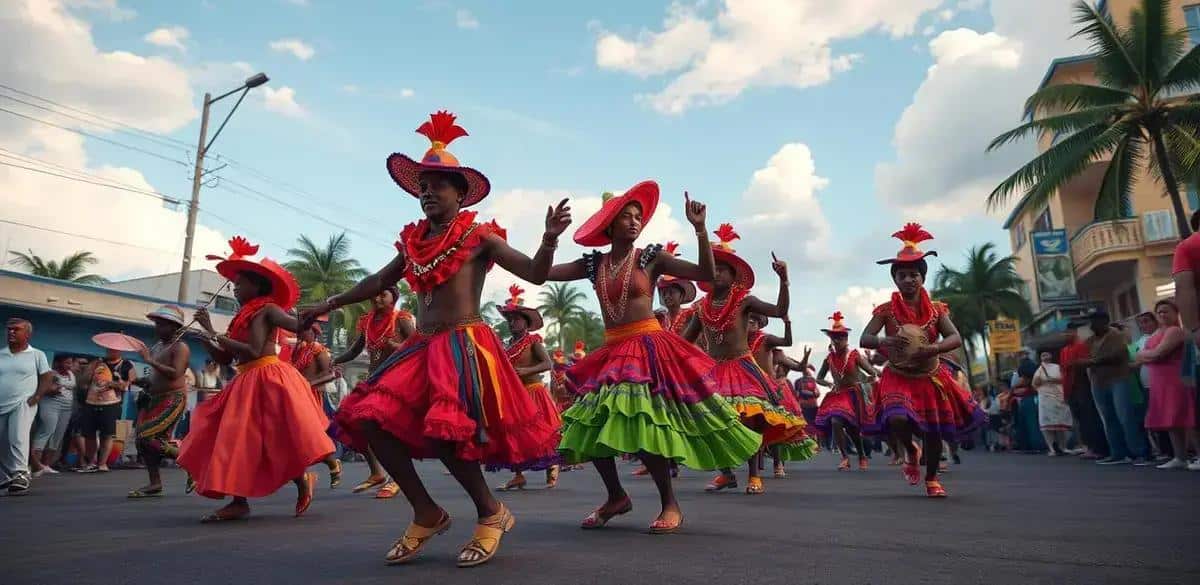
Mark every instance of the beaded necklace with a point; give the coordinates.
(718, 318)
(626, 265)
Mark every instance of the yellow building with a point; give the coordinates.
(1124, 265)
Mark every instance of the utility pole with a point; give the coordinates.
(194, 206)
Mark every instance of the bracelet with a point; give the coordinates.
(552, 244)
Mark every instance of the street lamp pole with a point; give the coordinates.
(198, 174)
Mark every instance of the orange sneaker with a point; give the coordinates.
(862, 464)
(844, 465)
(755, 487)
(721, 482)
(934, 489)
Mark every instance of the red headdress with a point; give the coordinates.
(591, 233)
(285, 291)
(580, 353)
(912, 235)
(666, 280)
(722, 249)
(515, 305)
(559, 357)
(838, 327)
(441, 131)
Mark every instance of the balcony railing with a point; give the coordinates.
(1105, 237)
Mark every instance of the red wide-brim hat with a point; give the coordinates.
(743, 275)
(688, 287)
(285, 291)
(532, 315)
(912, 234)
(406, 172)
(591, 233)
(836, 331)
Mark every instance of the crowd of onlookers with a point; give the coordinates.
(76, 412)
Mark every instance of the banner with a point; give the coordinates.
(1053, 266)
(1004, 336)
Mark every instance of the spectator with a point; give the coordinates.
(1108, 368)
(1054, 417)
(807, 394)
(991, 433)
(54, 415)
(208, 383)
(1147, 323)
(1172, 403)
(337, 388)
(102, 410)
(25, 377)
(1025, 420)
(1078, 391)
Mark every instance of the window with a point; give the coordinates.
(1043, 223)
(222, 303)
(1191, 14)
(1193, 197)
(1018, 235)
(1159, 225)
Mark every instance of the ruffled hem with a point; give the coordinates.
(933, 404)
(798, 451)
(629, 418)
(777, 425)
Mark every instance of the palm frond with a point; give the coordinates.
(1184, 76)
(1115, 64)
(1072, 96)
(1042, 176)
(1065, 124)
(1116, 187)
(1153, 46)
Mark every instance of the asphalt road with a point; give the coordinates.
(1010, 519)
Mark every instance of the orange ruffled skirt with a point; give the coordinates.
(263, 430)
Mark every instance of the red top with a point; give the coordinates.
(1073, 352)
(1187, 255)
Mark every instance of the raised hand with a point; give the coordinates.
(696, 212)
(807, 352)
(779, 266)
(558, 218)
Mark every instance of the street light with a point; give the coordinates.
(198, 173)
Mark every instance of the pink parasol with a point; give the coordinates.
(118, 341)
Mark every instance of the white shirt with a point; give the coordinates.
(19, 375)
(1143, 372)
(66, 388)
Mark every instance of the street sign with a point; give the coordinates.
(1004, 336)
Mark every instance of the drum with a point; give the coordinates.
(907, 360)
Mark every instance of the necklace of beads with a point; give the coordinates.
(626, 265)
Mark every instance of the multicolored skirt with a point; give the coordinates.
(263, 430)
(157, 419)
(548, 413)
(764, 406)
(649, 391)
(560, 389)
(845, 404)
(456, 386)
(934, 403)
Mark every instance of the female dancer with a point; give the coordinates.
(529, 358)
(723, 316)
(312, 359)
(844, 412)
(768, 354)
(917, 393)
(266, 427)
(645, 391)
(380, 332)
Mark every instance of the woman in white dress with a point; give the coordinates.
(1054, 417)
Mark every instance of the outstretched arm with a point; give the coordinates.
(575, 270)
(785, 341)
(360, 342)
(821, 376)
(365, 289)
(536, 269)
(788, 361)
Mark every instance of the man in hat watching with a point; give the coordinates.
(1108, 367)
(25, 377)
(164, 395)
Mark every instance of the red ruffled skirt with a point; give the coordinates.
(934, 403)
(456, 386)
(762, 403)
(846, 404)
(261, 431)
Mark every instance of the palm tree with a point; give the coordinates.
(73, 268)
(561, 302)
(490, 311)
(1132, 115)
(324, 271)
(986, 288)
(584, 326)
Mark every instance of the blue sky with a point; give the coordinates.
(559, 97)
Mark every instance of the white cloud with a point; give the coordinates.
(786, 215)
(464, 19)
(751, 43)
(298, 48)
(407, 93)
(171, 37)
(109, 8)
(152, 92)
(857, 303)
(946, 15)
(351, 89)
(283, 101)
(974, 91)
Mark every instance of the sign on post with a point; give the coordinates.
(1004, 336)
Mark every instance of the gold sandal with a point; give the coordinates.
(486, 540)
(415, 536)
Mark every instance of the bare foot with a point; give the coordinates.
(233, 511)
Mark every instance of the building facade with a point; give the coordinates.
(203, 285)
(1072, 263)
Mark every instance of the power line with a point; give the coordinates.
(94, 123)
(86, 237)
(154, 194)
(97, 116)
(83, 175)
(272, 199)
(95, 137)
(243, 229)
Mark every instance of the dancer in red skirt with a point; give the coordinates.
(767, 354)
(674, 293)
(380, 332)
(449, 391)
(844, 412)
(917, 394)
(528, 356)
(312, 359)
(266, 426)
(646, 392)
(723, 317)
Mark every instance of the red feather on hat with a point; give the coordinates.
(579, 346)
(912, 233)
(441, 128)
(836, 316)
(726, 234)
(672, 248)
(514, 295)
(241, 248)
